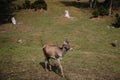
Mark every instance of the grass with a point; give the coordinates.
(93, 58)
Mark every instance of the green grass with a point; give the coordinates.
(93, 58)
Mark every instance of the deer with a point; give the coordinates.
(55, 52)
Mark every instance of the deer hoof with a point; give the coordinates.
(50, 69)
(63, 76)
(46, 70)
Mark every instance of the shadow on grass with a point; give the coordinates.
(54, 67)
(79, 4)
(116, 24)
(76, 4)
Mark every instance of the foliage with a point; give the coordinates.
(101, 11)
(5, 10)
(116, 3)
(27, 4)
(39, 4)
(19, 7)
(117, 22)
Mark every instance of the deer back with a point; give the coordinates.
(52, 51)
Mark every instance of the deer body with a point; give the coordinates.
(55, 52)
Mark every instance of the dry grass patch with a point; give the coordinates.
(100, 19)
(88, 34)
(62, 20)
(23, 28)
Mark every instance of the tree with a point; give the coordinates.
(27, 4)
(100, 11)
(109, 6)
(116, 24)
(5, 10)
(116, 3)
(92, 3)
(39, 4)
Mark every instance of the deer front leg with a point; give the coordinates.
(49, 65)
(59, 63)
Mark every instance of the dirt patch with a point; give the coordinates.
(110, 56)
(100, 55)
(3, 31)
(100, 19)
(10, 27)
(6, 28)
(91, 36)
(23, 28)
(87, 75)
(63, 20)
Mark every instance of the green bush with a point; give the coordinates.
(117, 22)
(27, 4)
(95, 13)
(100, 11)
(39, 4)
(6, 11)
(19, 7)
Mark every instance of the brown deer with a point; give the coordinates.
(55, 52)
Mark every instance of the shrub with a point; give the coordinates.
(19, 7)
(27, 4)
(39, 4)
(117, 22)
(95, 13)
(100, 11)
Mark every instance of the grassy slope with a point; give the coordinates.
(92, 58)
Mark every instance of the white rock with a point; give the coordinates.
(67, 14)
(20, 41)
(13, 20)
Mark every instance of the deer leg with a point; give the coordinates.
(46, 62)
(49, 65)
(59, 63)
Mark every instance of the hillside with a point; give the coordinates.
(93, 57)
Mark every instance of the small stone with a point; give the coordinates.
(20, 41)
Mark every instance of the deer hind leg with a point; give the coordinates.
(47, 64)
(60, 66)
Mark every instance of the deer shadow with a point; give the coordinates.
(54, 67)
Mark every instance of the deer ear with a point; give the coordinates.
(66, 41)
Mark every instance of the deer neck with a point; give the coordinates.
(64, 50)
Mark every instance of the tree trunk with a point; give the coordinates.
(110, 8)
(108, 5)
(92, 3)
